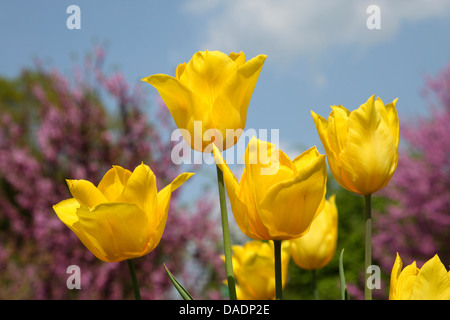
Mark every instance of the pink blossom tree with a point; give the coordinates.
(417, 221)
(51, 129)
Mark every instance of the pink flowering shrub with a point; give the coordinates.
(52, 129)
(417, 221)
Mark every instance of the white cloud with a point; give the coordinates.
(287, 29)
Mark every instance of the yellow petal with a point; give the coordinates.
(241, 201)
(113, 182)
(230, 105)
(265, 166)
(165, 194)
(207, 72)
(180, 69)
(290, 206)
(393, 120)
(177, 97)
(114, 231)
(432, 282)
(337, 128)
(333, 158)
(66, 211)
(315, 249)
(395, 274)
(140, 188)
(405, 282)
(369, 157)
(239, 58)
(85, 192)
(162, 211)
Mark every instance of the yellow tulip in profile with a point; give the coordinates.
(431, 282)
(362, 145)
(209, 97)
(276, 199)
(315, 249)
(123, 217)
(253, 265)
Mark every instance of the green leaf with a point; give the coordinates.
(344, 292)
(183, 292)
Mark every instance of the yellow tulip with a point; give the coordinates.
(276, 199)
(362, 145)
(253, 266)
(209, 97)
(124, 217)
(315, 249)
(431, 282)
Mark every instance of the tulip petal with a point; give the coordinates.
(432, 282)
(113, 231)
(395, 274)
(393, 120)
(333, 160)
(369, 157)
(243, 208)
(140, 189)
(315, 249)
(239, 58)
(266, 165)
(337, 128)
(177, 97)
(405, 281)
(162, 211)
(85, 192)
(113, 182)
(207, 72)
(230, 106)
(290, 206)
(165, 194)
(66, 211)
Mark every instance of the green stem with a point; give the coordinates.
(226, 236)
(314, 280)
(137, 293)
(368, 245)
(278, 275)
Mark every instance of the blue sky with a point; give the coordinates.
(319, 53)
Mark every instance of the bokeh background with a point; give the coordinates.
(72, 104)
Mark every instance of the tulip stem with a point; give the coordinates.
(314, 281)
(137, 293)
(278, 275)
(226, 236)
(368, 246)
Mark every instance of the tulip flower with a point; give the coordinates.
(253, 265)
(315, 249)
(209, 97)
(276, 199)
(362, 151)
(280, 205)
(362, 145)
(123, 217)
(431, 282)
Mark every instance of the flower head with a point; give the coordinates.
(123, 217)
(362, 145)
(276, 198)
(431, 282)
(209, 96)
(315, 249)
(254, 265)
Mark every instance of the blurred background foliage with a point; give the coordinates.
(54, 127)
